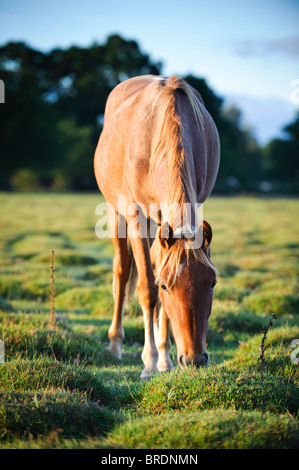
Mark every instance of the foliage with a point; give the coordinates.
(281, 157)
(54, 109)
(240, 165)
(54, 101)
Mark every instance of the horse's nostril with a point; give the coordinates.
(201, 360)
(198, 361)
(204, 359)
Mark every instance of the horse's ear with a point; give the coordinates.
(165, 235)
(206, 236)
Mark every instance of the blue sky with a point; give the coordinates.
(247, 51)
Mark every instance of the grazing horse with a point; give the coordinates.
(160, 148)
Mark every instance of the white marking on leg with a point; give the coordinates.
(163, 344)
(150, 354)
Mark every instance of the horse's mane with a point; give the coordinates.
(173, 258)
(167, 144)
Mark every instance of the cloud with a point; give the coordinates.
(288, 46)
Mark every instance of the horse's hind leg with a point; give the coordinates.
(121, 271)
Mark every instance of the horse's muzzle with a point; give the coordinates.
(200, 360)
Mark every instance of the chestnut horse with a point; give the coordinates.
(159, 145)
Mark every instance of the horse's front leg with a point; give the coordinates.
(162, 337)
(147, 292)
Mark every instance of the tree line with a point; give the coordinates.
(53, 115)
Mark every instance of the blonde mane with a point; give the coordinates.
(167, 144)
(173, 259)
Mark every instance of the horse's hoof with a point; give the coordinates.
(115, 349)
(165, 367)
(148, 374)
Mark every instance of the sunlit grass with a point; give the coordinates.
(60, 386)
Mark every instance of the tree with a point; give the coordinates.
(29, 138)
(241, 158)
(50, 122)
(282, 155)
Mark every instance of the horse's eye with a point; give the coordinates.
(164, 288)
(213, 284)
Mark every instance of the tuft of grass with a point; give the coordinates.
(278, 354)
(5, 305)
(27, 245)
(98, 299)
(228, 292)
(237, 321)
(33, 285)
(248, 279)
(279, 303)
(31, 414)
(227, 269)
(44, 373)
(217, 387)
(27, 340)
(212, 429)
(68, 258)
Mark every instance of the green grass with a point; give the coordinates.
(40, 413)
(43, 373)
(61, 388)
(217, 387)
(212, 429)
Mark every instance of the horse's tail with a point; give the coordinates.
(167, 140)
(133, 276)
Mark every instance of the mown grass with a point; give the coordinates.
(61, 388)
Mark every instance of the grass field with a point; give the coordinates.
(60, 388)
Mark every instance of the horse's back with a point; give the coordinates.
(123, 153)
(125, 92)
(125, 137)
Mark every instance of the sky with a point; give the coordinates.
(248, 51)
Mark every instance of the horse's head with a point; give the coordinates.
(186, 279)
